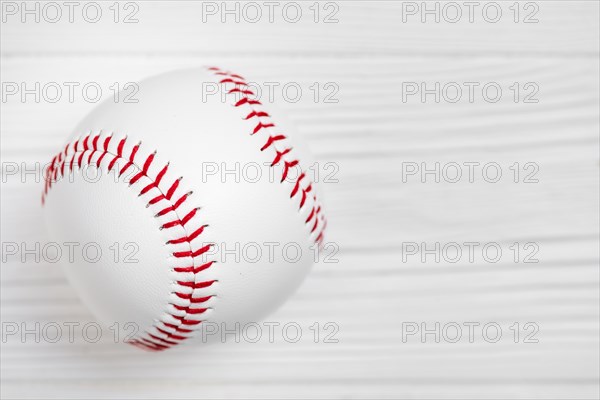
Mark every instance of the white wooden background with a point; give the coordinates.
(370, 292)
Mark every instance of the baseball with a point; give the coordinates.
(197, 208)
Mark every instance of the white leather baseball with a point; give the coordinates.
(135, 174)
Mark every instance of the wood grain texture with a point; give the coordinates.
(368, 133)
(363, 29)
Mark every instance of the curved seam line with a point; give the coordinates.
(80, 162)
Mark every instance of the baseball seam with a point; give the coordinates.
(180, 318)
(284, 155)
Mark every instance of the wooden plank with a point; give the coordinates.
(363, 28)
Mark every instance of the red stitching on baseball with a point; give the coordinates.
(311, 215)
(262, 126)
(246, 92)
(196, 285)
(105, 152)
(190, 310)
(280, 154)
(193, 269)
(188, 238)
(271, 140)
(178, 328)
(286, 168)
(246, 100)
(193, 299)
(196, 253)
(148, 340)
(168, 333)
(255, 114)
(297, 185)
(120, 147)
(172, 189)
(174, 207)
(230, 80)
(181, 221)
